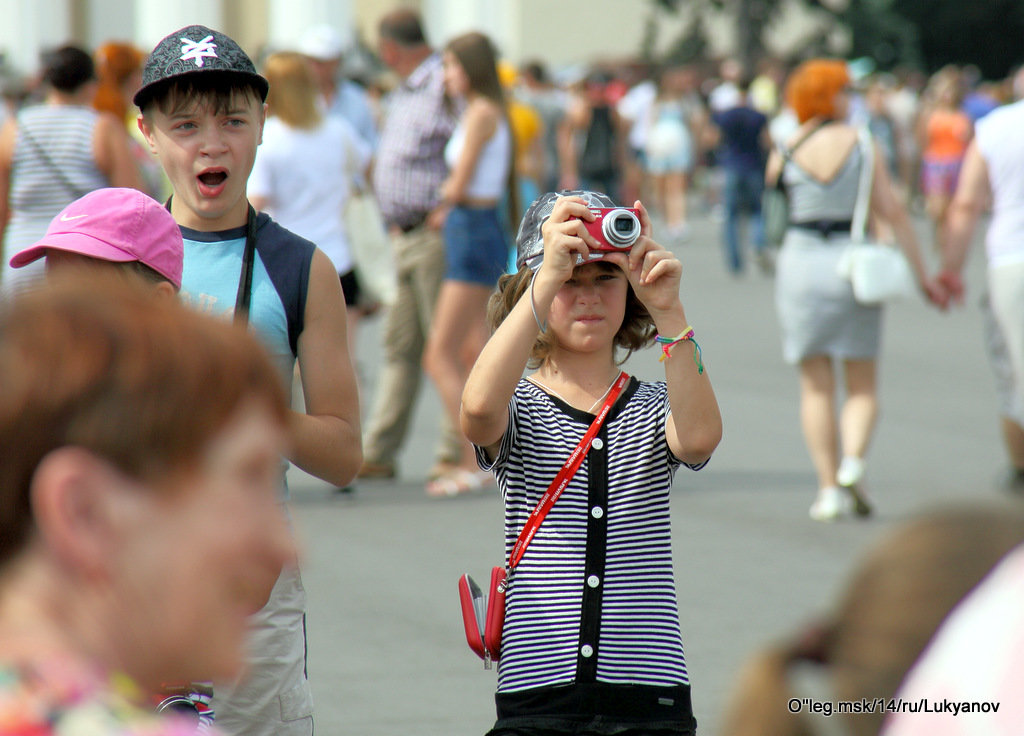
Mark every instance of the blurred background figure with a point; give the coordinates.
(725, 92)
(980, 97)
(55, 152)
(944, 131)
(538, 91)
(14, 90)
(306, 168)
(119, 76)
(528, 134)
(765, 92)
(142, 446)
(407, 177)
(743, 147)
(903, 103)
(824, 329)
(884, 130)
(591, 145)
(634, 109)
(325, 48)
(669, 151)
(992, 178)
(889, 609)
(479, 155)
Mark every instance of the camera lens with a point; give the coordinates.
(621, 228)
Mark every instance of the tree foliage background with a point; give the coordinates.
(922, 34)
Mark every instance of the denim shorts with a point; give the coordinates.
(475, 246)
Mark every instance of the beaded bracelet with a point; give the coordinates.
(667, 343)
(533, 305)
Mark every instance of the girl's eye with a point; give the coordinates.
(185, 126)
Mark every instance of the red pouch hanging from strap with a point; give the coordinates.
(483, 616)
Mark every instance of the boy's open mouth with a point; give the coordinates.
(213, 178)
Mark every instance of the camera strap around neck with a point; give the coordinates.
(569, 468)
(243, 297)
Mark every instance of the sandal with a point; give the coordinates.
(376, 471)
(458, 482)
(442, 469)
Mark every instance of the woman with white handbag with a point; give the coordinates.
(824, 326)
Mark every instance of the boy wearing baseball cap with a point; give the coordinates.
(202, 113)
(120, 227)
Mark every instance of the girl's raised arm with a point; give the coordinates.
(694, 427)
(500, 365)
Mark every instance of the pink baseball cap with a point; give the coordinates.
(119, 225)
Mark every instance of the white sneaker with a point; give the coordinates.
(850, 478)
(851, 471)
(830, 504)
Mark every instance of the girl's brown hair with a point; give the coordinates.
(637, 329)
(293, 90)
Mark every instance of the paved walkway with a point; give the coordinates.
(387, 651)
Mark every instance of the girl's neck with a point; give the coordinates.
(580, 381)
(582, 369)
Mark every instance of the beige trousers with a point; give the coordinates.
(420, 265)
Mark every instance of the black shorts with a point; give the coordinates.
(595, 709)
(350, 288)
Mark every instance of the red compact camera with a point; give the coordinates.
(615, 228)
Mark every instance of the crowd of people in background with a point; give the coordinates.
(663, 131)
(451, 145)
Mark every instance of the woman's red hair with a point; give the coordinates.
(812, 88)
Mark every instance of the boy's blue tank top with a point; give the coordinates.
(209, 282)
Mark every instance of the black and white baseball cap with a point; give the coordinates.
(193, 50)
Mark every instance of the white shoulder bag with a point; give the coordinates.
(877, 271)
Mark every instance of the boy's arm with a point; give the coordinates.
(325, 441)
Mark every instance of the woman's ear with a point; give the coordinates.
(165, 290)
(73, 497)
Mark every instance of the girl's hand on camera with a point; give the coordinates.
(653, 271)
(565, 238)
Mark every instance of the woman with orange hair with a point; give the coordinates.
(119, 76)
(822, 325)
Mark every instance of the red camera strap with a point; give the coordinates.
(569, 468)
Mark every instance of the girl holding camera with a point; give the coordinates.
(591, 638)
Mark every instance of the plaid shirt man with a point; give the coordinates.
(410, 159)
